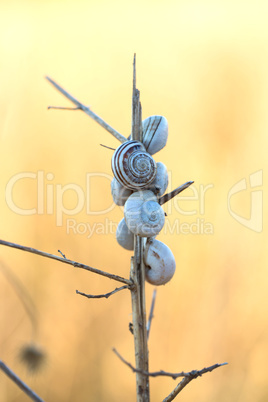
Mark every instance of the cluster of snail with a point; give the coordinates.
(138, 184)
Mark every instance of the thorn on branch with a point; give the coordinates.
(130, 327)
(63, 255)
(106, 295)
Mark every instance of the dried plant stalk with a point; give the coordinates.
(137, 275)
(27, 390)
(87, 110)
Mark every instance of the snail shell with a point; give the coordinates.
(124, 236)
(160, 183)
(132, 166)
(154, 133)
(159, 262)
(120, 194)
(143, 214)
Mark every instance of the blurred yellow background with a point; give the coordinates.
(204, 66)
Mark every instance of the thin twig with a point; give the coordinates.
(64, 108)
(106, 295)
(27, 390)
(151, 315)
(173, 193)
(136, 132)
(64, 256)
(105, 146)
(177, 389)
(191, 374)
(66, 261)
(88, 111)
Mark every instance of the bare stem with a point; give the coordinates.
(27, 390)
(106, 295)
(87, 110)
(173, 193)
(66, 261)
(137, 274)
(151, 315)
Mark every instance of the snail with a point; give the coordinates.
(159, 262)
(132, 166)
(120, 193)
(154, 133)
(124, 236)
(143, 214)
(160, 183)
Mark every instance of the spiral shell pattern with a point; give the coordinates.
(132, 166)
(143, 214)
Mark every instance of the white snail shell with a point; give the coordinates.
(159, 262)
(155, 133)
(120, 193)
(132, 166)
(124, 236)
(143, 214)
(160, 183)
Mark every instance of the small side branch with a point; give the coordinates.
(66, 261)
(151, 315)
(87, 110)
(19, 382)
(188, 378)
(106, 295)
(64, 108)
(191, 374)
(167, 197)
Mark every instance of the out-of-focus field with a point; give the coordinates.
(204, 66)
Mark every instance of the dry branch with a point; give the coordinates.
(189, 377)
(87, 110)
(106, 295)
(151, 315)
(167, 197)
(137, 274)
(66, 261)
(27, 390)
(161, 373)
